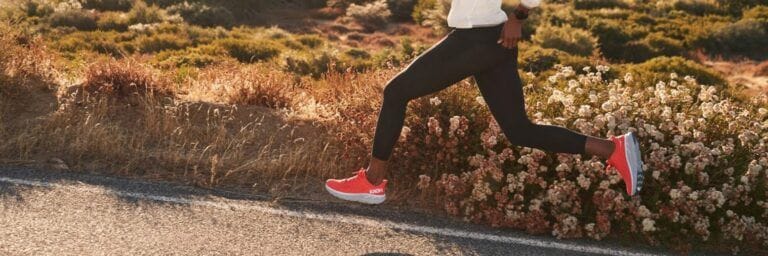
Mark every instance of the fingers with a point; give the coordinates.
(508, 42)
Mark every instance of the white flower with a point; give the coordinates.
(628, 78)
(694, 196)
(434, 126)
(592, 97)
(552, 79)
(585, 111)
(71, 5)
(492, 140)
(480, 100)
(608, 106)
(643, 212)
(583, 181)
(455, 122)
(404, 132)
(674, 194)
(762, 111)
(649, 225)
(435, 101)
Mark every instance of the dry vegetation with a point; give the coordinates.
(158, 91)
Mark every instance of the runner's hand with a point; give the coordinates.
(512, 32)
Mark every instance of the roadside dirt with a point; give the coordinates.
(750, 74)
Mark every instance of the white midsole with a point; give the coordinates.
(357, 197)
(631, 152)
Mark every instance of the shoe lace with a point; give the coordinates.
(355, 175)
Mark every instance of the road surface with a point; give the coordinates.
(50, 213)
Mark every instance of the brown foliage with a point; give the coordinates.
(122, 79)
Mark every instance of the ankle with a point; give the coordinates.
(375, 181)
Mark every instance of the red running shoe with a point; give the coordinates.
(627, 161)
(357, 188)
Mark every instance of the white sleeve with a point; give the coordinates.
(530, 4)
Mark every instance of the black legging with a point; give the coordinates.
(463, 53)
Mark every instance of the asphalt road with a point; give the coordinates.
(48, 213)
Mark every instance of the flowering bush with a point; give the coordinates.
(372, 15)
(705, 158)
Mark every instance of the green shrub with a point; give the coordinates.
(108, 5)
(569, 39)
(357, 53)
(343, 4)
(111, 48)
(145, 14)
(312, 64)
(401, 9)
(105, 42)
(758, 13)
(311, 41)
(82, 20)
(437, 17)
(186, 58)
(597, 4)
(421, 8)
(202, 14)
(165, 3)
(536, 59)
(113, 21)
(691, 29)
(566, 16)
(613, 14)
(200, 35)
(371, 16)
(291, 43)
(37, 8)
(747, 37)
(659, 68)
(249, 51)
(697, 7)
(642, 19)
(614, 38)
(71, 14)
(161, 42)
(353, 64)
(660, 45)
(737, 6)
(653, 45)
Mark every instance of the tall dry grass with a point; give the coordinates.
(228, 126)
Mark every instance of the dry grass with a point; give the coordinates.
(244, 85)
(122, 79)
(230, 125)
(242, 126)
(761, 69)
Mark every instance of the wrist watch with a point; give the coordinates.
(521, 13)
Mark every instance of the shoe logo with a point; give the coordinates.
(376, 191)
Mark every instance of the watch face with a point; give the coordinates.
(531, 3)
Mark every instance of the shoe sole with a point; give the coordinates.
(360, 198)
(632, 154)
